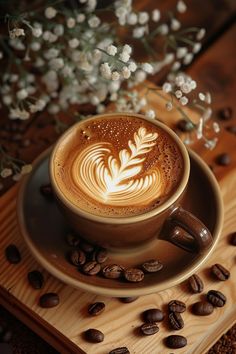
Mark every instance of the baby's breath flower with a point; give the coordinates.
(37, 32)
(143, 17)
(95, 100)
(115, 76)
(113, 96)
(188, 58)
(50, 12)
(216, 127)
(156, 15)
(201, 96)
(26, 169)
(73, 43)
(181, 6)
(139, 32)
(181, 52)
(150, 114)
(179, 80)
(132, 18)
(167, 87)
(17, 32)
(49, 36)
(197, 47)
(140, 76)
(200, 128)
(112, 50)
(105, 71)
(70, 22)
(53, 108)
(178, 93)
(51, 53)
(80, 18)
(17, 113)
(58, 30)
(148, 68)
(201, 33)
(35, 46)
(94, 21)
(124, 56)
(97, 54)
(17, 44)
(22, 94)
(56, 63)
(193, 84)
(164, 29)
(207, 114)
(208, 98)
(175, 24)
(6, 172)
(67, 71)
(132, 66)
(169, 106)
(126, 72)
(100, 108)
(183, 100)
(7, 100)
(176, 66)
(127, 49)
(185, 88)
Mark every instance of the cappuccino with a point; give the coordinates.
(117, 167)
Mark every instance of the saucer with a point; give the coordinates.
(44, 229)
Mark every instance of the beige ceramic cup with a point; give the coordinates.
(167, 221)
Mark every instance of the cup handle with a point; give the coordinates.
(186, 231)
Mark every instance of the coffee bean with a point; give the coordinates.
(134, 275)
(184, 125)
(176, 306)
(175, 341)
(96, 309)
(49, 300)
(149, 329)
(113, 271)
(120, 350)
(77, 257)
(86, 247)
(153, 315)
(151, 266)
(129, 299)
(202, 308)
(46, 191)
(176, 321)
(72, 239)
(36, 279)
(100, 255)
(225, 113)
(91, 268)
(94, 335)
(12, 254)
(220, 272)
(196, 284)
(223, 159)
(216, 298)
(233, 239)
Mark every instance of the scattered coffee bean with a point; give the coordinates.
(223, 159)
(96, 309)
(100, 255)
(151, 266)
(216, 298)
(153, 315)
(149, 329)
(12, 254)
(91, 268)
(220, 272)
(233, 239)
(112, 271)
(134, 275)
(184, 125)
(225, 113)
(94, 335)
(176, 306)
(120, 350)
(176, 321)
(175, 341)
(49, 300)
(129, 299)
(202, 308)
(72, 239)
(86, 247)
(46, 191)
(196, 284)
(77, 257)
(36, 279)
(231, 129)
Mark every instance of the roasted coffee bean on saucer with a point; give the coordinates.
(149, 328)
(72, 239)
(94, 335)
(176, 321)
(202, 308)
(223, 159)
(113, 271)
(225, 113)
(184, 125)
(86, 246)
(220, 272)
(133, 275)
(153, 315)
(96, 308)
(35, 278)
(151, 266)
(120, 350)
(195, 284)
(77, 257)
(216, 298)
(175, 341)
(233, 239)
(91, 268)
(49, 300)
(176, 306)
(12, 254)
(100, 255)
(128, 300)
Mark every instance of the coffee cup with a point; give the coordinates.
(119, 179)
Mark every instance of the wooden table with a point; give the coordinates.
(214, 69)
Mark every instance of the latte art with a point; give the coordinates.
(114, 181)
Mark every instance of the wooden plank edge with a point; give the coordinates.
(51, 335)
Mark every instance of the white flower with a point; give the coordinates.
(208, 98)
(70, 22)
(139, 32)
(164, 29)
(113, 97)
(56, 63)
(17, 113)
(181, 6)
(175, 24)
(37, 32)
(31, 89)
(126, 72)
(193, 84)
(169, 57)
(115, 76)
(201, 33)
(97, 54)
(39, 62)
(16, 44)
(148, 68)
(178, 93)
(188, 58)
(166, 87)
(183, 100)
(132, 19)
(91, 5)
(22, 94)
(124, 56)
(51, 53)
(150, 114)
(127, 49)
(67, 71)
(13, 77)
(179, 80)
(41, 103)
(58, 30)
(100, 108)
(6, 172)
(181, 52)
(200, 128)
(80, 18)
(94, 21)
(49, 36)
(16, 32)
(216, 127)
(50, 12)
(111, 50)
(95, 100)
(185, 88)
(176, 66)
(132, 66)
(26, 169)
(197, 47)
(143, 17)
(140, 76)
(35, 46)
(169, 106)
(105, 71)
(114, 86)
(53, 108)
(156, 15)
(82, 1)
(7, 100)
(73, 43)
(201, 96)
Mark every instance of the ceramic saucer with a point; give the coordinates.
(44, 228)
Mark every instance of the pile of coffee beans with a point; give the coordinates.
(175, 308)
(151, 317)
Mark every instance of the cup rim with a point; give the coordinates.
(127, 219)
